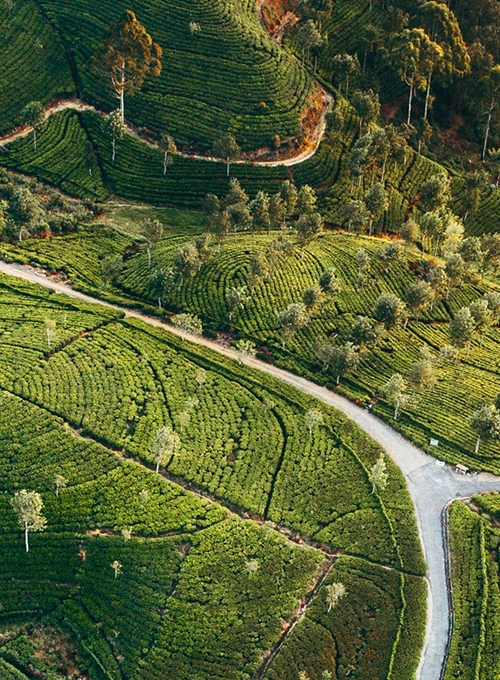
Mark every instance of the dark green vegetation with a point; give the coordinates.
(33, 61)
(476, 592)
(195, 581)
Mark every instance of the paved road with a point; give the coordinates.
(431, 486)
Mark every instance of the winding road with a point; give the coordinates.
(431, 486)
(77, 105)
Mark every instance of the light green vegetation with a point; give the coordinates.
(94, 399)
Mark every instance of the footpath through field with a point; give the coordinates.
(431, 486)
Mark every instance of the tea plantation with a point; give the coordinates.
(202, 589)
(476, 592)
(441, 412)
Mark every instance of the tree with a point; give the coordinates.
(127, 56)
(334, 593)
(344, 360)
(187, 323)
(165, 445)
(494, 156)
(244, 350)
(34, 116)
(410, 232)
(110, 266)
(194, 27)
(490, 245)
(325, 352)
(432, 55)
(240, 217)
(344, 67)
(378, 475)
(226, 147)
(306, 200)
(50, 328)
(187, 262)
(314, 418)
(168, 147)
(491, 85)
(259, 270)
(312, 297)
(394, 392)
(422, 376)
(335, 121)
(309, 227)
(329, 284)
(435, 193)
(28, 506)
(183, 418)
(202, 245)
(24, 212)
(390, 254)
(455, 270)
(289, 196)
(356, 215)
(482, 316)
(462, 329)
(152, 230)
(236, 194)
(160, 283)
(486, 423)
(116, 128)
(60, 482)
(493, 302)
(116, 567)
(259, 210)
(376, 203)
(363, 263)
(309, 37)
(222, 224)
(236, 297)
(472, 253)
(419, 297)
(201, 377)
(405, 55)
(367, 106)
(277, 210)
(211, 209)
(365, 333)
(292, 319)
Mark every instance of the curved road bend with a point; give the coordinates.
(431, 486)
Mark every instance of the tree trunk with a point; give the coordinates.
(149, 256)
(410, 101)
(477, 445)
(228, 164)
(122, 104)
(427, 95)
(26, 541)
(396, 410)
(114, 149)
(165, 163)
(159, 302)
(34, 138)
(488, 127)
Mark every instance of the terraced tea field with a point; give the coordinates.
(87, 408)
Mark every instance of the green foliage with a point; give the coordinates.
(33, 62)
(60, 158)
(230, 76)
(475, 645)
